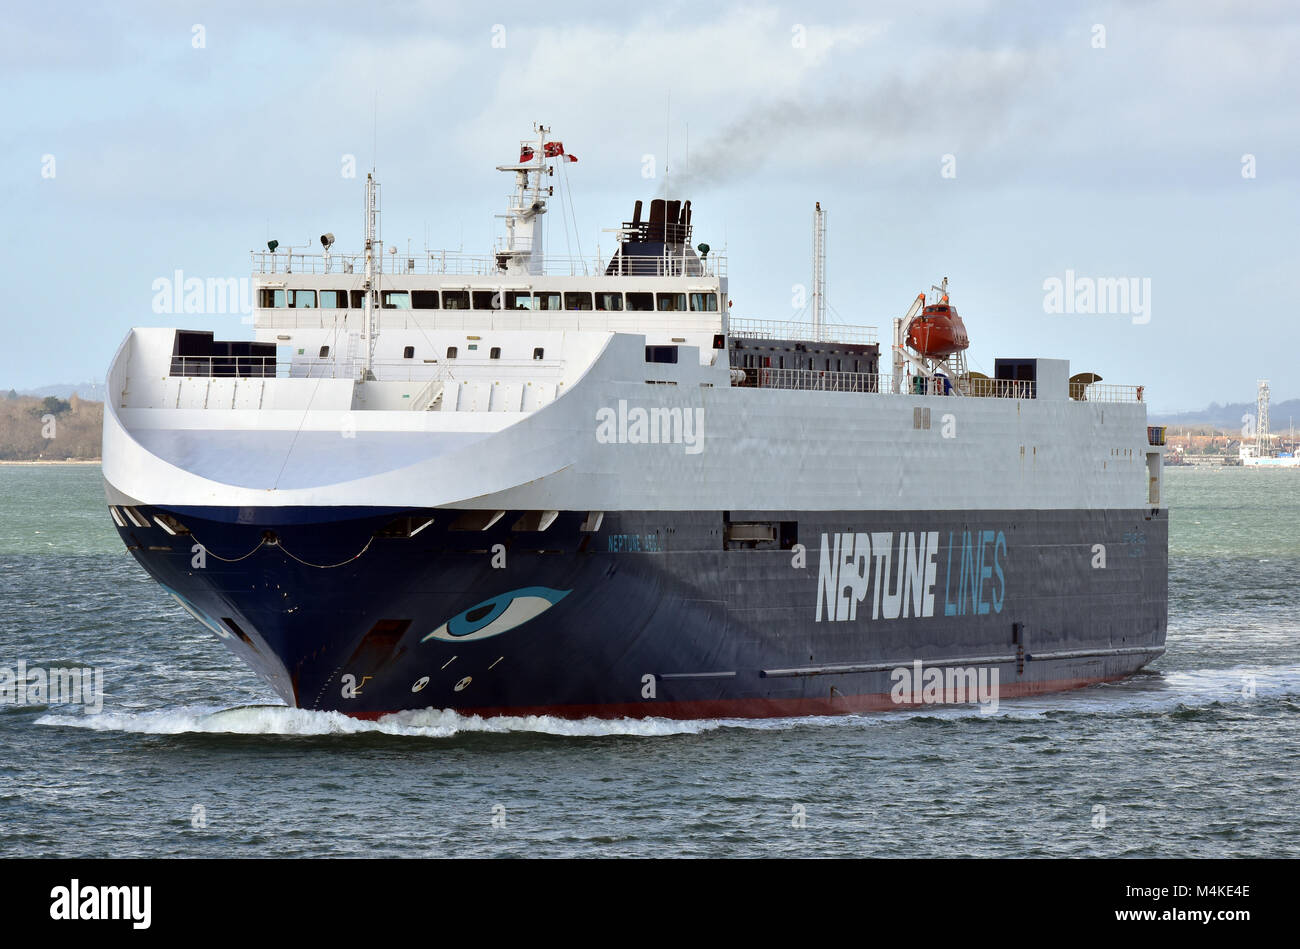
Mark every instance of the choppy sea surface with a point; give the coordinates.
(1196, 757)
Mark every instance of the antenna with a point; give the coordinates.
(819, 271)
(668, 144)
(371, 284)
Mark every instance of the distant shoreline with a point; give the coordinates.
(44, 461)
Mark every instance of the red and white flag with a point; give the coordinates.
(556, 150)
(525, 154)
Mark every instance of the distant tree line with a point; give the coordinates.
(49, 429)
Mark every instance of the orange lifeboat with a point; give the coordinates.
(937, 331)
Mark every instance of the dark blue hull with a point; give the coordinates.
(682, 614)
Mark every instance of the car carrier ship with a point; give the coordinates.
(514, 484)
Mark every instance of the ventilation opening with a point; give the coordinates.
(324, 352)
(592, 522)
(494, 352)
(535, 520)
(170, 524)
(476, 520)
(117, 517)
(539, 353)
(407, 526)
(136, 517)
(451, 352)
(408, 352)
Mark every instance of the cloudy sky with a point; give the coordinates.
(998, 144)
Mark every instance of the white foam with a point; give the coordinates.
(428, 723)
(1155, 693)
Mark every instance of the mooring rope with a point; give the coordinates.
(329, 566)
(306, 563)
(207, 550)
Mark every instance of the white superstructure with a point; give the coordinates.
(491, 381)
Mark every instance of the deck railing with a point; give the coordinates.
(817, 379)
(404, 370)
(453, 263)
(228, 367)
(1105, 392)
(776, 329)
(998, 389)
(345, 367)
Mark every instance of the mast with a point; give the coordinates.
(523, 251)
(536, 259)
(368, 328)
(819, 272)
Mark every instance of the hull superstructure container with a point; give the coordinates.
(514, 484)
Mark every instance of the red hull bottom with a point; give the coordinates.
(759, 708)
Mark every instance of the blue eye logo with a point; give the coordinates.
(497, 615)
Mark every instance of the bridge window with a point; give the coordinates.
(519, 300)
(455, 299)
(494, 352)
(577, 301)
(609, 301)
(539, 353)
(486, 300)
(273, 298)
(546, 301)
(704, 302)
(358, 299)
(640, 301)
(334, 299)
(324, 352)
(408, 352)
(424, 299)
(396, 299)
(302, 299)
(674, 302)
(451, 352)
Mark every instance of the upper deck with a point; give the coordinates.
(385, 314)
(441, 263)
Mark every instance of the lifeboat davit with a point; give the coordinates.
(937, 331)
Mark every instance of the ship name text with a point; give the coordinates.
(896, 572)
